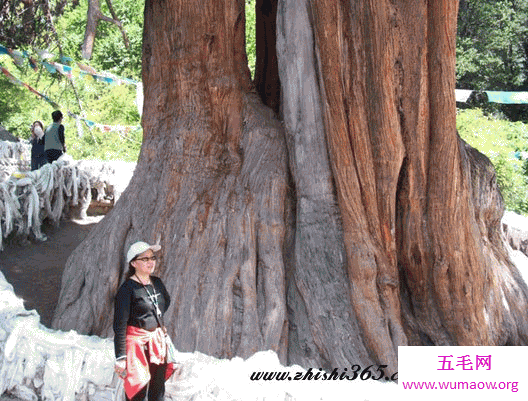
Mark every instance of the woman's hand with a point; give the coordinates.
(120, 368)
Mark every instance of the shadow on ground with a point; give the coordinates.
(34, 269)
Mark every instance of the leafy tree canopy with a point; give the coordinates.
(492, 45)
(26, 23)
(110, 53)
(492, 50)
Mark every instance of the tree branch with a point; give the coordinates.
(92, 20)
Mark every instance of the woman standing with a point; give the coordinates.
(139, 340)
(38, 156)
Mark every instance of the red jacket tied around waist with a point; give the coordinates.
(138, 374)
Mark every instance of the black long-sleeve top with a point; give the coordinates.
(61, 135)
(134, 308)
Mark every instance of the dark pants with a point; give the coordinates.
(38, 161)
(155, 390)
(53, 154)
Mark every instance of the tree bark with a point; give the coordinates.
(323, 326)
(211, 181)
(359, 223)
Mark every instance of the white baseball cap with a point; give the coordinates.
(137, 248)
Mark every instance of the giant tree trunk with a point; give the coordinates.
(359, 224)
(210, 185)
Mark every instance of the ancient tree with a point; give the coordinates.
(348, 222)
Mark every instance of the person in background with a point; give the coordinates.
(38, 157)
(139, 341)
(54, 144)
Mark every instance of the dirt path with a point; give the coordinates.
(35, 269)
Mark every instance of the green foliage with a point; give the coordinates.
(97, 145)
(110, 53)
(112, 105)
(500, 140)
(492, 50)
(251, 35)
(24, 23)
(19, 107)
(102, 103)
(491, 44)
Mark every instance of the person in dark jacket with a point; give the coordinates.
(38, 157)
(54, 142)
(139, 341)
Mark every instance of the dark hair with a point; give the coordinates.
(39, 123)
(56, 115)
(131, 269)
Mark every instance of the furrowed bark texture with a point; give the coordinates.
(419, 228)
(211, 182)
(453, 263)
(358, 49)
(323, 325)
(360, 223)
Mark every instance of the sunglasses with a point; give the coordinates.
(152, 258)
